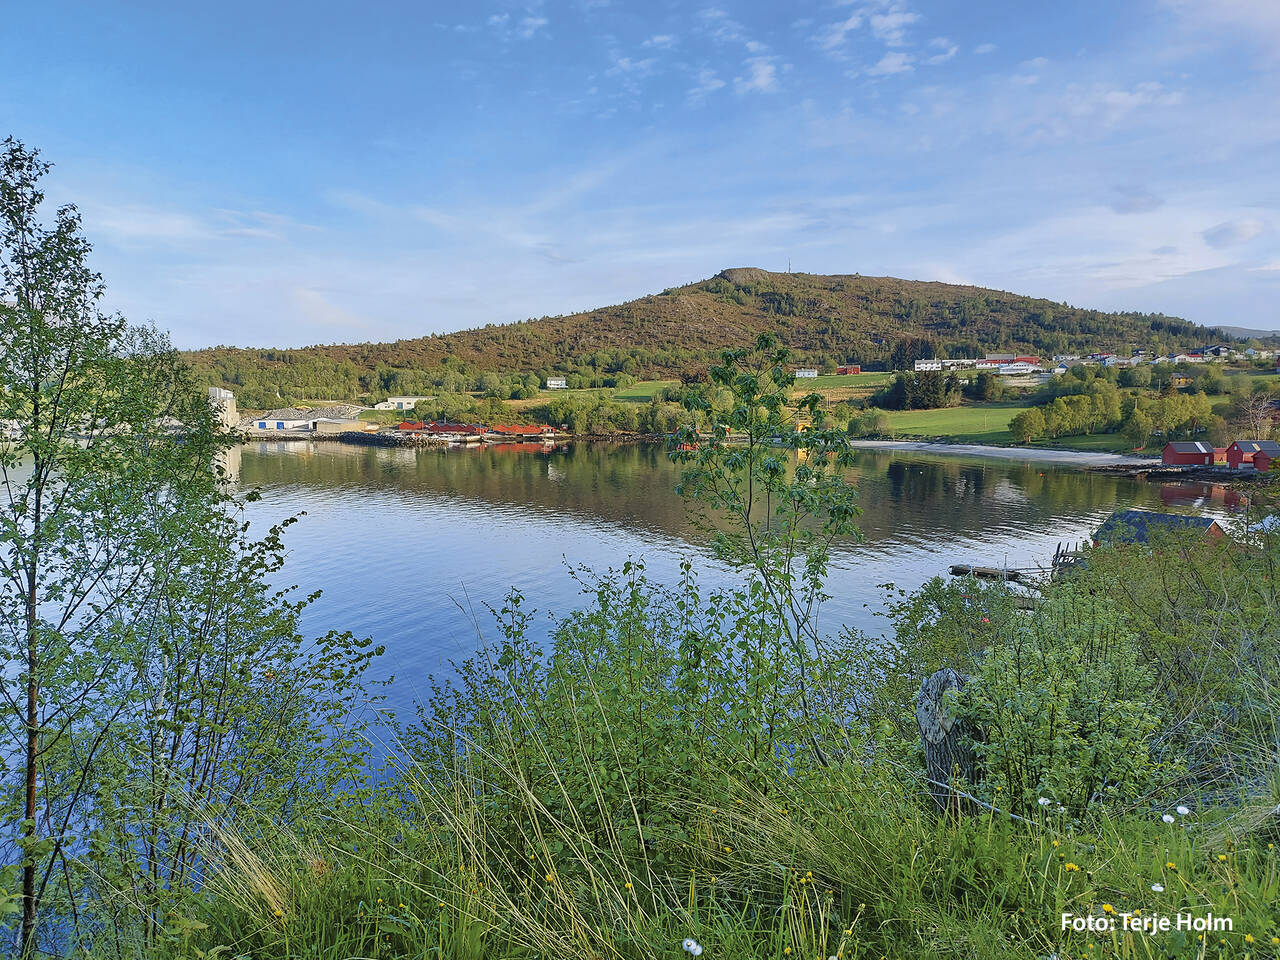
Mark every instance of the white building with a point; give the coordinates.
(224, 406)
(557, 383)
(927, 365)
(399, 403)
(289, 418)
(1017, 369)
(807, 373)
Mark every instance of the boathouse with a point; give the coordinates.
(1187, 453)
(1257, 454)
(1137, 526)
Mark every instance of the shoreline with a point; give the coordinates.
(1081, 458)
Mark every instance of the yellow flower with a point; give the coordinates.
(1070, 867)
(1108, 908)
(279, 912)
(728, 849)
(787, 952)
(1171, 866)
(550, 878)
(628, 884)
(1055, 843)
(1275, 940)
(1222, 857)
(402, 906)
(1248, 938)
(379, 899)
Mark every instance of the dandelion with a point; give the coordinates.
(628, 884)
(1167, 818)
(1275, 940)
(728, 849)
(1044, 801)
(1070, 867)
(279, 912)
(1055, 843)
(550, 878)
(1183, 811)
(1158, 887)
(1248, 938)
(1108, 908)
(691, 946)
(1171, 866)
(786, 952)
(1222, 858)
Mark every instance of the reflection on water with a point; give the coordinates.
(410, 545)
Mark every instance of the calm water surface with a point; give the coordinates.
(410, 547)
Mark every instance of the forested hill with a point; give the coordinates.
(875, 321)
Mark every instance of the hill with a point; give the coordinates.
(876, 321)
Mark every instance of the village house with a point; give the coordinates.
(927, 365)
(1187, 453)
(806, 373)
(399, 403)
(849, 370)
(290, 418)
(557, 383)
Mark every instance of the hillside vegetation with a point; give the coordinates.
(826, 320)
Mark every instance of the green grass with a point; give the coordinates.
(873, 379)
(972, 423)
(643, 391)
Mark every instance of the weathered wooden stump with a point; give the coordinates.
(948, 756)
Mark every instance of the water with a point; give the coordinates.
(410, 547)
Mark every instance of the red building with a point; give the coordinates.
(1187, 453)
(1252, 453)
(849, 370)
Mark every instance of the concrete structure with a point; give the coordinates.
(557, 383)
(1187, 453)
(330, 425)
(224, 407)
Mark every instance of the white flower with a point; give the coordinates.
(697, 950)
(1158, 887)
(691, 946)
(1044, 801)
(1167, 818)
(1183, 811)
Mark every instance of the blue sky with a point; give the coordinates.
(289, 173)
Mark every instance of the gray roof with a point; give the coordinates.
(1190, 446)
(1269, 447)
(1134, 526)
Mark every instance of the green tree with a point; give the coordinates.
(1028, 425)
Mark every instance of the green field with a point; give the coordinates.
(643, 391)
(984, 423)
(876, 379)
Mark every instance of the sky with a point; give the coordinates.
(288, 173)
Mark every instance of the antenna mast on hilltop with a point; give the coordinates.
(788, 264)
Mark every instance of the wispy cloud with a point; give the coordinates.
(946, 50)
(984, 48)
(708, 82)
(890, 27)
(1232, 233)
(662, 41)
(895, 61)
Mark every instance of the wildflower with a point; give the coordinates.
(1070, 867)
(786, 952)
(1044, 801)
(728, 849)
(1182, 811)
(1248, 938)
(279, 912)
(1167, 818)
(402, 906)
(628, 884)
(1222, 858)
(550, 878)
(1171, 866)
(1275, 940)
(1055, 843)
(1158, 887)
(1108, 908)
(689, 945)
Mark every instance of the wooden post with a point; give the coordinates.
(948, 756)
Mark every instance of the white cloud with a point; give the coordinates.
(946, 50)
(1115, 104)
(531, 25)
(663, 41)
(761, 76)
(984, 48)
(833, 36)
(891, 27)
(708, 83)
(1232, 233)
(895, 61)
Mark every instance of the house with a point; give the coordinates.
(290, 418)
(807, 373)
(399, 403)
(520, 430)
(1060, 369)
(1065, 357)
(849, 370)
(1136, 526)
(557, 383)
(1256, 454)
(1187, 453)
(927, 365)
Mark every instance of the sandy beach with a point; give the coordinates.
(1082, 458)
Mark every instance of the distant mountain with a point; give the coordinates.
(824, 319)
(1245, 333)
